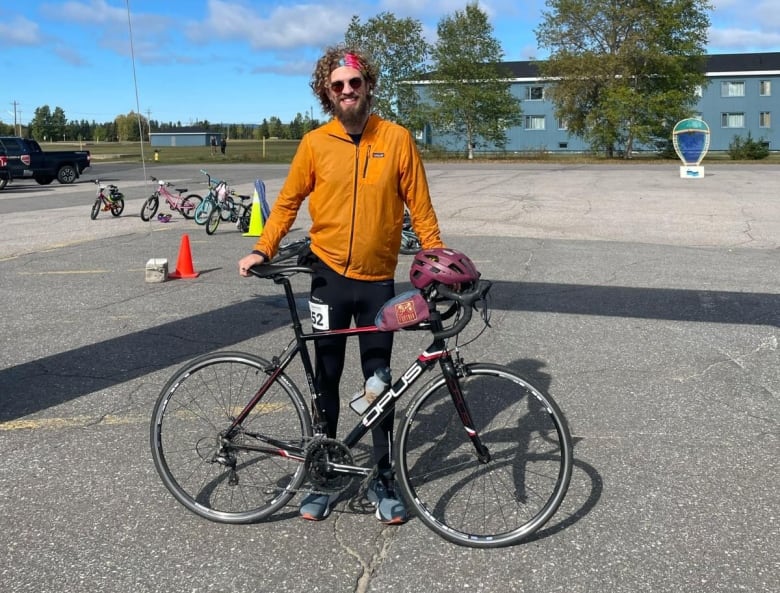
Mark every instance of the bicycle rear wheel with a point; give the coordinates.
(217, 477)
(189, 205)
(484, 504)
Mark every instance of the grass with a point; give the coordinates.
(238, 151)
(282, 151)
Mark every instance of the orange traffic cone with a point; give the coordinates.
(184, 267)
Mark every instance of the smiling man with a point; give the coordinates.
(358, 172)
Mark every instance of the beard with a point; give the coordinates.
(354, 115)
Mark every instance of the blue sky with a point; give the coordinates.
(240, 60)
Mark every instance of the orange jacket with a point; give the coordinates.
(356, 197)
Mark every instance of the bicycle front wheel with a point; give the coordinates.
(484, 503)
(213, 222)
(203, 211)
(150, 208)
(95, 209)
(238, 478)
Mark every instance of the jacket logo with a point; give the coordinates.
(378, 155)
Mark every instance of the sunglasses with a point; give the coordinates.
(338, 85)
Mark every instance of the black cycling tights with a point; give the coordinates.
(347, 299)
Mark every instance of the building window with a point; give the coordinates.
(765, 119)
(732, 89)
(534, 122)
(698, 91)
(732, 120)
(765, 88)
(563, 124)
(534, 93)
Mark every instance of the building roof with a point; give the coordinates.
(716, 64)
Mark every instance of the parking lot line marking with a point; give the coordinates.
(74, 421)
(63, 272)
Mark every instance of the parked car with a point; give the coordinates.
(27, 160)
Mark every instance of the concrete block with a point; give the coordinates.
(157, 270)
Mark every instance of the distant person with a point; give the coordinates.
(214, 145)
(223, 146)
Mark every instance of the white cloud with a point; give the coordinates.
(740, 40)
(290, 26)
(19, 31)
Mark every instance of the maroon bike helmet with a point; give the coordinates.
(442, 265)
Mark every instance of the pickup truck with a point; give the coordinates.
(27, 160)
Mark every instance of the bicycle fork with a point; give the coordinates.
(456, 393)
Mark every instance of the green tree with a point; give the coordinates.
(127, 127)
(41, 124)
(296, 127)
(470, 90)
(275, 127)
(622, 73)
(400, 52)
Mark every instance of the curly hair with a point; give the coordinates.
(335, 56)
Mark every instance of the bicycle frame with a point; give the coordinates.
(378, 409)
(175, 202)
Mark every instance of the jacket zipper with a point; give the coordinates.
(354, 209)
(365, 167)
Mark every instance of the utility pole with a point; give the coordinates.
(15, 104)
(149, 123)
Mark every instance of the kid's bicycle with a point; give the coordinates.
(232, 208)
(180, 203)
(482, 456)
(218, 190)
(113, 202)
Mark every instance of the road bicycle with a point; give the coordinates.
(482, 456)
(180, 203)
(113, 202)
(233, 208)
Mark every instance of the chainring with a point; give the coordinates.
(321, 454)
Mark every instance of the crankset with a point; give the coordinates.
(328, 464)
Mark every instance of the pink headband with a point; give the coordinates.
(350, 60)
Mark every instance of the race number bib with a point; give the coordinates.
(319, 315)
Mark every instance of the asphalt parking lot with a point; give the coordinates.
(647, 304)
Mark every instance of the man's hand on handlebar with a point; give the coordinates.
(253, 259)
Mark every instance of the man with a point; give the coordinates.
(358, 172)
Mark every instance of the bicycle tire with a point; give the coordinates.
(95, 209)
(493, 504)
(213, 222)
(410, 244)
(203, 211)
(189, 205)
(195, 406)
(117, 206)
(150, 208)
(245, 220)
(291, 250)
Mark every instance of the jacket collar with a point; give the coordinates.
(334, 128)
